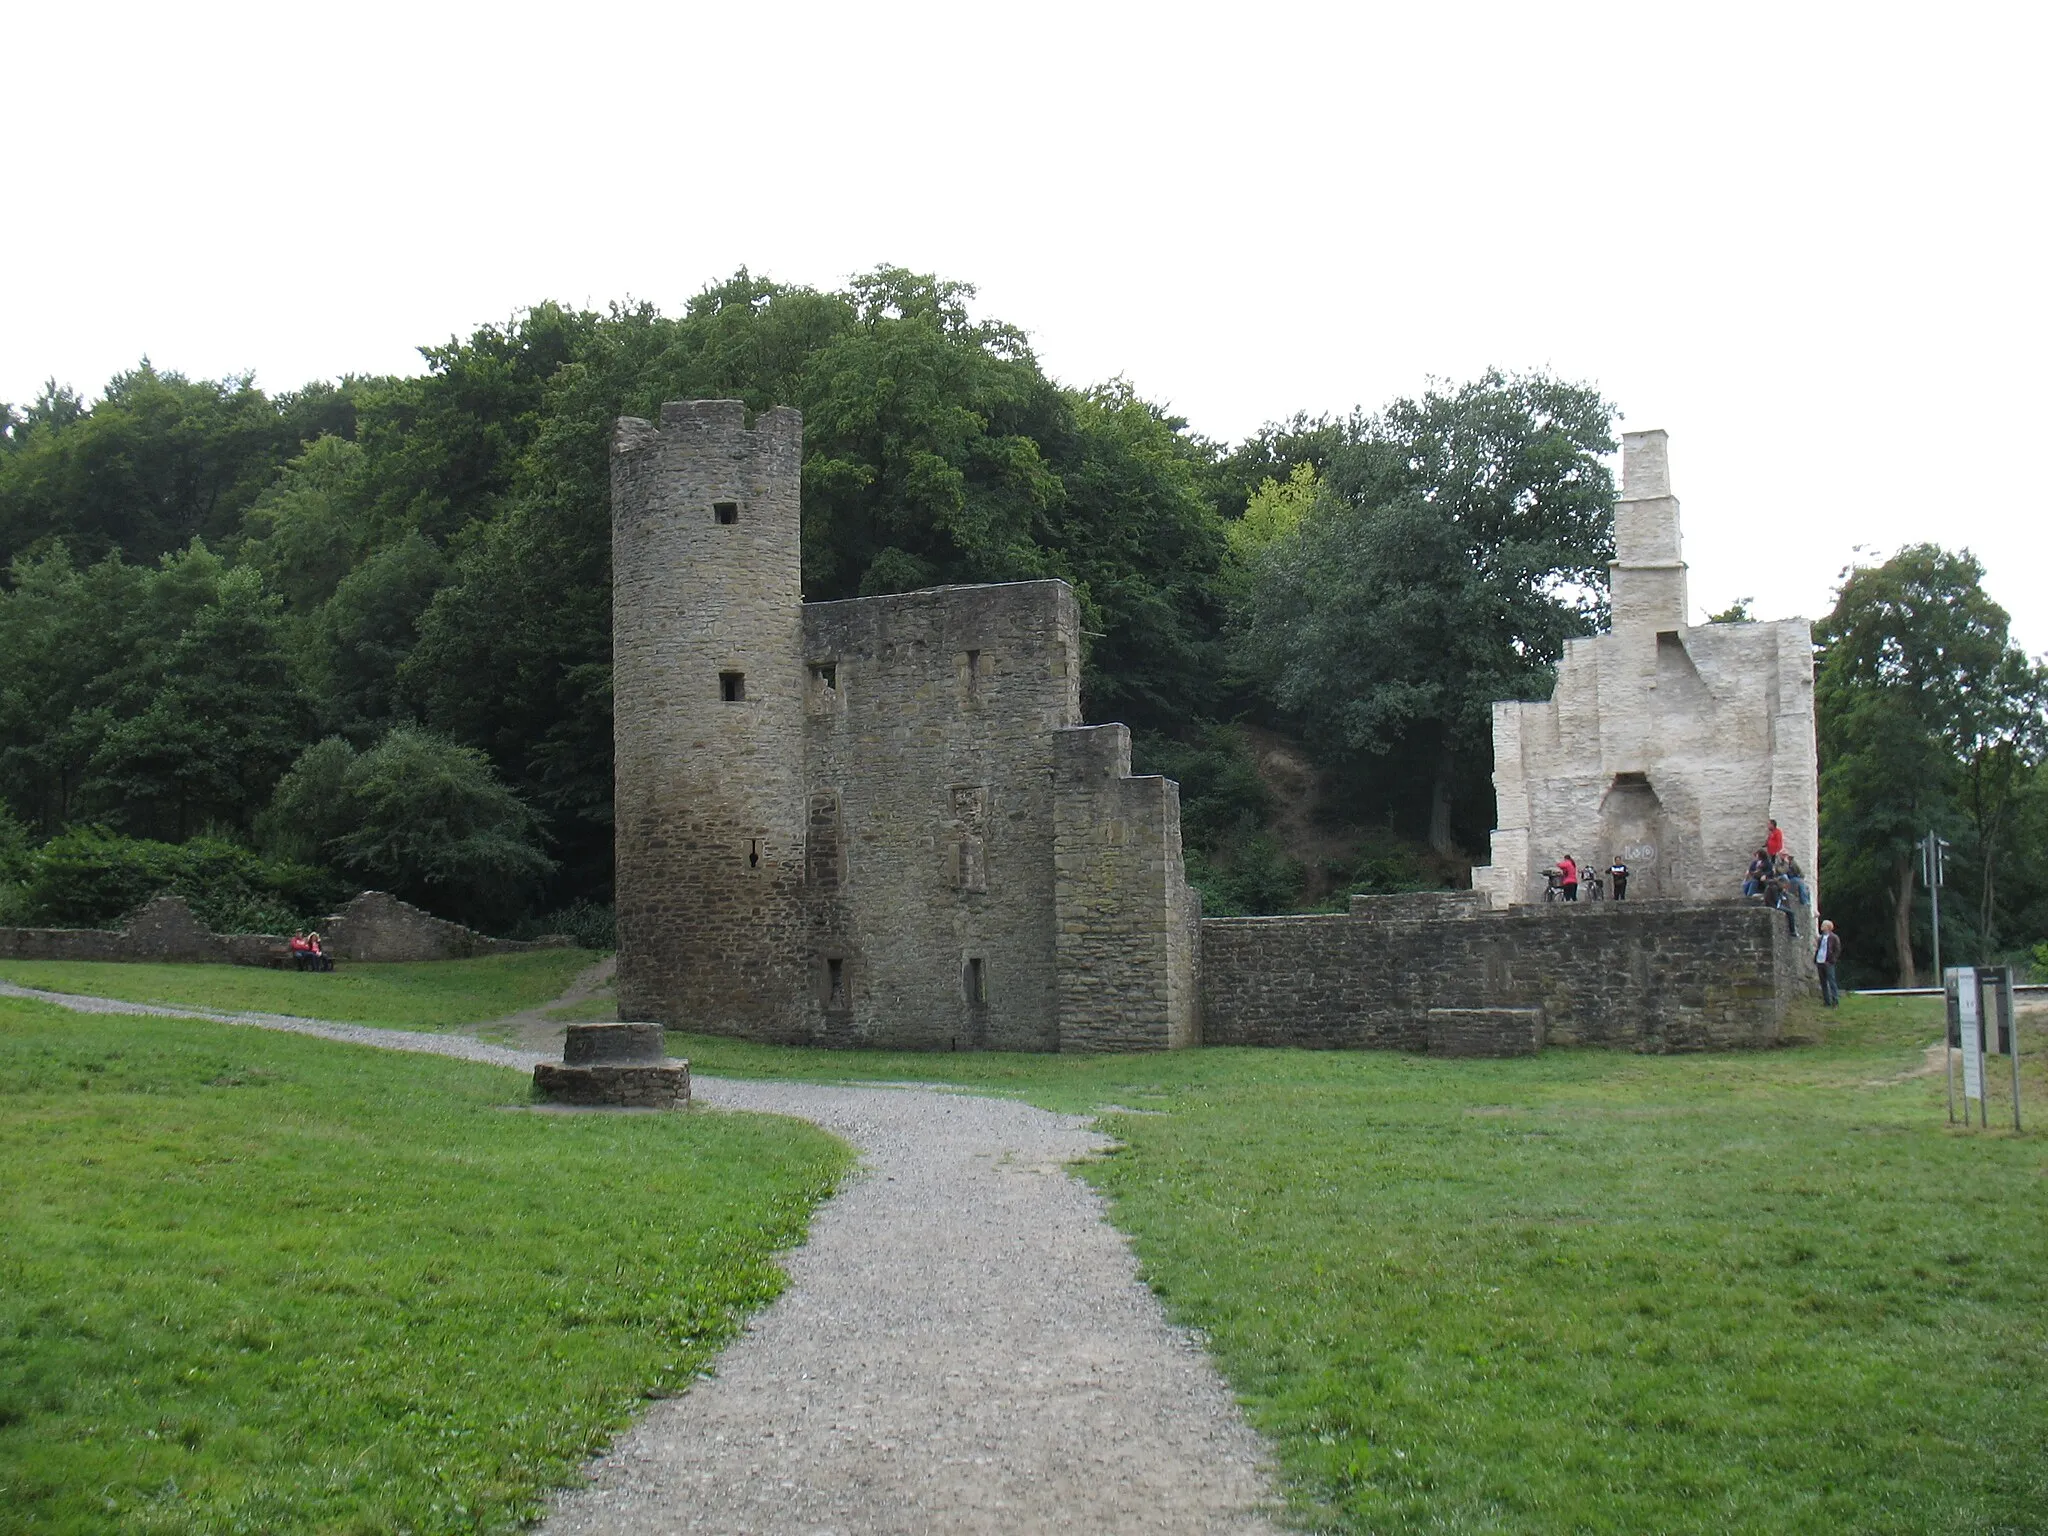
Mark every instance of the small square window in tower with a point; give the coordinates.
(732, 687)
(727, 512)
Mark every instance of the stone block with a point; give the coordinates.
(619, 1086)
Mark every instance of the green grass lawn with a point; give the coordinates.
(439, 994)
(256, 1282)
(1587, 1291)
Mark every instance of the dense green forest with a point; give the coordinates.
(265, 649)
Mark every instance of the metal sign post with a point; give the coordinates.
(2002, 1024)
(1934, 875)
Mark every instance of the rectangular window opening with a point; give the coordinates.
(835, 983)
(727, 512)
(828, 675)
(732, 686)
(977, 983)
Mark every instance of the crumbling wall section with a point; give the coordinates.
(372, 928)
(1128, 965)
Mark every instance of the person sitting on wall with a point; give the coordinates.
(1796, 878)
(298, 951)
(1778, 896)
(1759, 874)
(317, 958)
(1568, 877)
(1617, 876)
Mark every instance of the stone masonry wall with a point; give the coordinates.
(1127, 962)
(929, 728)
(708, 683)
(1648, 976)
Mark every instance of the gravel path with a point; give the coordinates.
(964, 1345)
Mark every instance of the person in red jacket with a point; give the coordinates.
(1568, 872)
(1774, 843)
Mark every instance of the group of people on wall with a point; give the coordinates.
(1567, 875)
(1774, 878)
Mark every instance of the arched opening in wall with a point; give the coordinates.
(1632, 834)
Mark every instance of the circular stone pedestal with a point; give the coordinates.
(620, 1066)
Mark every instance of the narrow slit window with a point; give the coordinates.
(753, 853)
(732, 686)
(727, 512)
(977, 983)
(835, 983)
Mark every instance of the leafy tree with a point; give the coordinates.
(423, 817)
(1465, 541)
(89, 877)
(221, 722)
(15, 846)
(156, 462)
(1737, 612)
(309, 528)
(349, 652)
(1926, 714)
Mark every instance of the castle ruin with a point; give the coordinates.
(881, 821)
(1667, 745)
(872, 822)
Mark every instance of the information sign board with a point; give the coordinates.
(1968, 1015)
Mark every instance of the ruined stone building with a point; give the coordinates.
(1667, 744)
(882, 822)
(872, 822)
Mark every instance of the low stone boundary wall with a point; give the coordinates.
(1646, 976)
(373, 927)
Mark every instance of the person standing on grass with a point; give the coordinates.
(1568, 877)
(1827, 954)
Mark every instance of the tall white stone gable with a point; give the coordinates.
(1669, 744)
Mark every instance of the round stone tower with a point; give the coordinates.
(708, 710)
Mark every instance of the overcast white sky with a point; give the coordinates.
(1804, 239)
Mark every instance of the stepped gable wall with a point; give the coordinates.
(1645, 976)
